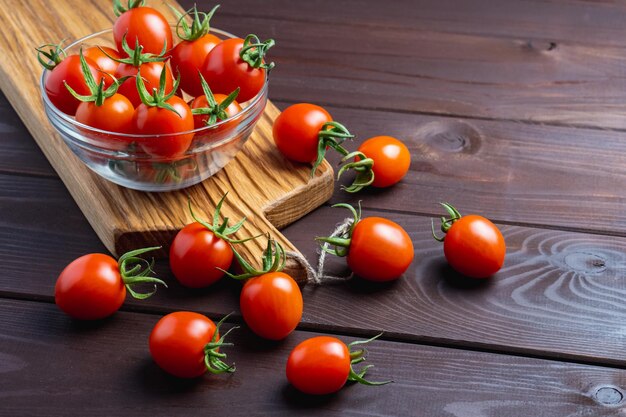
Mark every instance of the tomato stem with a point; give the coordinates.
(358, 356)
(54, 55)
(200, 23)
(253, 51)
(159, 97)
(214, 110)
(98, 92)
(119, 9)
(331, 135)
(136, 57)
(221, 230)
(273, 260)
(135, 270)
(445, 223)
(364, 172)
(341, 243)
(212, 356)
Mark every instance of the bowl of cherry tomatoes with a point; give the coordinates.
(150, 117)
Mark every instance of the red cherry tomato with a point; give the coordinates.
(195, 255)
(391, 159)
(182, 343)
(296, 131)
(146, 25)
(474, 247)
(104, 62)
(187, 58)
(150, 72)
(69, 71)
(114, 115)
(94, 286)
(90, 287)
(201, 102)
(380, 250)
(224, 70)
(149, 120)
(320, 365)
(271, 305)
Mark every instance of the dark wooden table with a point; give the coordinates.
(513, 109)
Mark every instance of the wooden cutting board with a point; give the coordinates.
(263, 186)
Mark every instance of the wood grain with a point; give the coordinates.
(263, 186)
(559, 295)
(437, 381)
(435, 70)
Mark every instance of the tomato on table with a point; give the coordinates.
(200, 252)
(377, 249)
(322, 365)
(303, 132)
(391, 157)
(238, 63)
(143, 25)
(65, 70)
(166, 116)
(472, 244)
(195, 44)
(94, 286)
(270, 301)
(210, 108)
(187, 344)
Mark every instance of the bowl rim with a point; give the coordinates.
(72, 121)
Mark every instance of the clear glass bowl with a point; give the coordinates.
(120, 158)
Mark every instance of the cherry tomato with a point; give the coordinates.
(150, 72)
(114, 115)
(377, 249)
(199, 120)
(104, 62)
(296, 131)
(271, 305)
(391, 159)
(322, 365)
(94, 286)
(380, 250)
(90, 287)
(69, 71)
(187, 58)
(146, 25)
(152, 120)
(319, 365)
(186, 345)
(474, 246)
(225, 70)
(195, 255)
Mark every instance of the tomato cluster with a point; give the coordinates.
(134, 88)
(137, 86)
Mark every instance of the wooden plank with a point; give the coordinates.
(549, 20)
(435, 71)
(38, 344)
(270, 196)
(559, 294)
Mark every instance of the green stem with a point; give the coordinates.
(212, 356)
(446, 224)
(135, 270)
(253, 51)
(358, 356)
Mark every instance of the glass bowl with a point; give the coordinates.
(127, 159)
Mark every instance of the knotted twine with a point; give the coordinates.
(317, 276)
